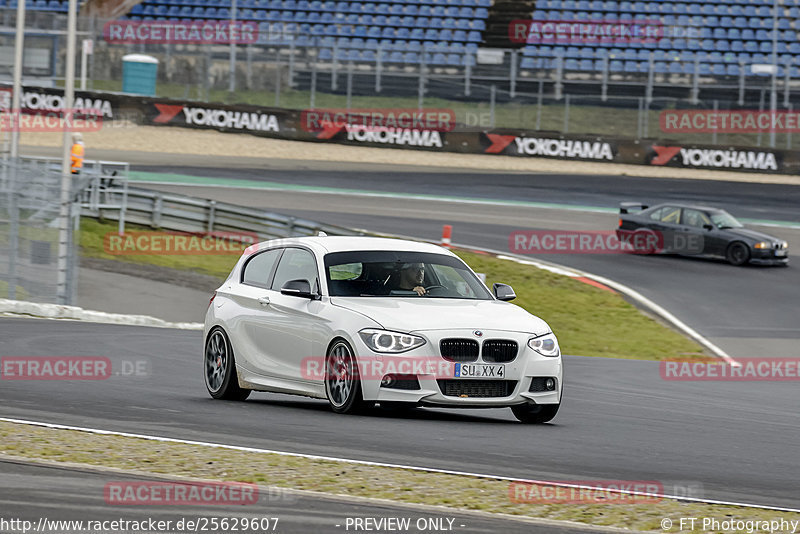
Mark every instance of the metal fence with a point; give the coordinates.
(171, 211)
(29, 234)
(29, 221)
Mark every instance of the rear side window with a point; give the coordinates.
(671, 215)
(296, 264)
(656, 215)
(258, 269)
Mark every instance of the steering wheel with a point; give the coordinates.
(436, 286)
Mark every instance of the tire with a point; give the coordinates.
(737, 254)
(342, 381)
(219, 366)
(535, 413)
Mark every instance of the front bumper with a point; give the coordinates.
(519, 374)
(767, 257)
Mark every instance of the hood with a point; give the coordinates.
(408, 314)
(752, 234)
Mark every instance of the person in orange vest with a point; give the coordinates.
(76, 154)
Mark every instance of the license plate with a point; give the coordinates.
(479, 370)
(780, 252)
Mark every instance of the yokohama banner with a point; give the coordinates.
(431, 130)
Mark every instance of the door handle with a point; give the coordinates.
(263, 300)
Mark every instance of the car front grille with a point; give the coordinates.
(459, 350)
(477, 388)
(499, 350)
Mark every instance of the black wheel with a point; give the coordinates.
(535, 413)
(342, 381)
(738, 253)
(222, 381)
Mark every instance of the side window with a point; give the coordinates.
(671, 215)
(656, 215)
(258, 270)
(296, 264)
(695, 218)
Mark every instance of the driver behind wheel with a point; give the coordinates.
(412, 276)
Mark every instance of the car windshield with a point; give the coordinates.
(376, 273)
(723, 219)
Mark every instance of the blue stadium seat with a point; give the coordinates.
(455, 59)
(732, 69)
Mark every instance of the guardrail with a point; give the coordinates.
(189, 214)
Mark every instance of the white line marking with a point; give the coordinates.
(381, 464)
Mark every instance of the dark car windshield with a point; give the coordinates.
(723, 219)
(374, 273)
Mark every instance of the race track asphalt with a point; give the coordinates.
(620, 420)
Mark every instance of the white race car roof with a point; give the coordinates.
(347, 243)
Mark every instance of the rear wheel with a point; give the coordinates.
(737, 253)
(535, 413)
(342, 381)
(222, 381)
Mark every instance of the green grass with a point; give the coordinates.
(587, 320)
(92, 244)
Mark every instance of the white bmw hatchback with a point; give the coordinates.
(360, 320)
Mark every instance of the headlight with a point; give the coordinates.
(546, 345)
(387, 341)
(763, 244)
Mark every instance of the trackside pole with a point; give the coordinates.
(447, 232)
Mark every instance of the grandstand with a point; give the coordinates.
(710, 43)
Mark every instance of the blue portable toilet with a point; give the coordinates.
(139, 73)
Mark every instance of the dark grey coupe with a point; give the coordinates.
(693, 230)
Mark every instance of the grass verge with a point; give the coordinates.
(397, 484)
(588, 321)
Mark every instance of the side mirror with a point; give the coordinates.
(298, 288)
(708, 227)
(503, 292)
